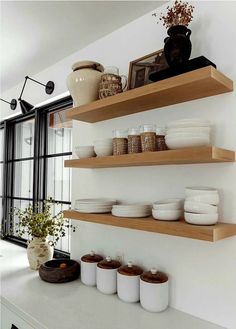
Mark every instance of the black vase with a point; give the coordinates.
(178, 46)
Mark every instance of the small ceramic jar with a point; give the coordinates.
(154, 291)
(107, 275)
(89, 268)
(128, 282)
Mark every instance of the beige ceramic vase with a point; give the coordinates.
(83, 82)
(39, 251)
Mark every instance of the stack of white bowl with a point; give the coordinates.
(188, 133)
(201, 205)
(103, 147)
(168, 209)
(131, 210)
(85, 151)
(94, 205)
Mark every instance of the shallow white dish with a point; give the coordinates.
(102, 151)
(169, 204)
(200, 190)
(132, 206)
(201, 219)
(195, 122)
(167, 214)
(102, 201)
(131, 214)
(199, 207)
(193, 130)
(182, 142)
(212, 199)
(94, 210)
(84, 151)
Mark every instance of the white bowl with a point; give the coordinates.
(168, 204)
(84, 151)
(212, 199)
(201, 190)
(188, 123)
(199, 207)
(182, 142)
(167, 214)
(193, 130)
(201, 219)
(103, 151)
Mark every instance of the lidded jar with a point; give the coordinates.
(106, 275)
(148, 137)
(154, 290)
(83, 82)
(128, 282)
(89, 268)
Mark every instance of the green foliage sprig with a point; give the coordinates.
(38, 222)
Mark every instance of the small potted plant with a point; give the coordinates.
(43, 229)
(178, 46)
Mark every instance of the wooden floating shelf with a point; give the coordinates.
(170, 157)
(177, 228)
(196, 84)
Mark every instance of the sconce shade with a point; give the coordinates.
(49, 88)
(13, 104)
(25, 106)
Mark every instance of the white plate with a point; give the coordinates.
(178, 143)
(193, 130)
(201, 219)
(131, 207)
(102, 201)
(188, 123)
(167, 214)
(199, 207)
(200, 190)
(94, 211)
(132, 214)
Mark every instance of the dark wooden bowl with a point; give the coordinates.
(51, 271)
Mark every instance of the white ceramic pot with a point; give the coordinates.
(88, 266)
(83, 82)
(128, 283)
(107, 275)
(39, 251)
(154, 291)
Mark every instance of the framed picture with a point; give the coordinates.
(141, 68)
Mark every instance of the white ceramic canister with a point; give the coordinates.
(154, 291)
(83, 82)
(128, 282)
(89, 268)
(107, 275)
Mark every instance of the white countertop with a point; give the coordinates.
(73, 305)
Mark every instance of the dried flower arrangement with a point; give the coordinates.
(180, 14)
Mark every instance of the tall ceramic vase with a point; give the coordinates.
(39, 251)
(83, 82)
(178, 46)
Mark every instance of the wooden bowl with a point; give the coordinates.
(59, 270)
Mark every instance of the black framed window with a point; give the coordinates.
(36, 146)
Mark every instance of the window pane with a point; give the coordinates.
(1, 178)
(19, 204)
(58, 179)
(59, 133)
(23, 179)
(24, 139)
(1, 144)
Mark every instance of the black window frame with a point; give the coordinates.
(40, 156)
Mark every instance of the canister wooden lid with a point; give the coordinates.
(87, 65)
(130, 270)
(109, 264)
(91, 258)
(154, 276)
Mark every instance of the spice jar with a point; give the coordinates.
(148, 138)
(128, 282)
(107, 275)
(160, 139)
(120, 142)
(154, 290)
(134, 141)
(89, 268)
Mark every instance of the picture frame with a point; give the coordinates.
(141, 68)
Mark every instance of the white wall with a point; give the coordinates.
(202, 274)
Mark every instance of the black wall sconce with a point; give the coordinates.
(25, 106)
(13, 103)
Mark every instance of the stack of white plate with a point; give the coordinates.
(201, 205)
(94, 205)
(188, 133)
(168, 209)
(131, 210)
